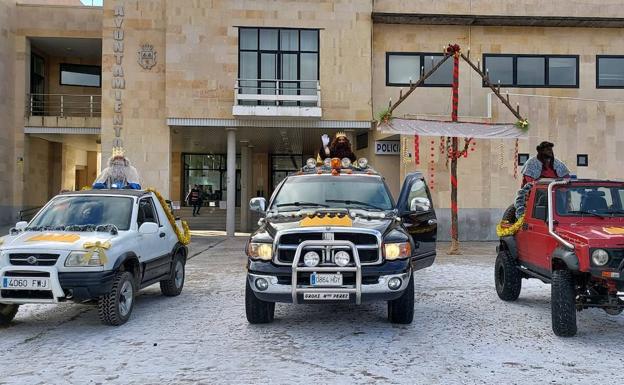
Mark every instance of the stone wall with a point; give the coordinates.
(8, 161)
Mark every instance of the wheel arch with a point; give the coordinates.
(509, 243)
(129, 261)
(564, 259)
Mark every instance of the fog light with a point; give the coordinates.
(362, 162)
(394, 283)
(311, 259)
(327, 162)
(342, 258)
(262, 284)
(346, 162)
(600, 257)
(311, 163)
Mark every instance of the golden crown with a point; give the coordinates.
(118, 151)
(341, 134)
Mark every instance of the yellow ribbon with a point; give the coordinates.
(98, 248)
(511, 230)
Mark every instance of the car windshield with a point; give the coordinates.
(84, 210)
(327, 191)
(596, 201)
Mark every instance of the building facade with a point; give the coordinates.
(234, 95)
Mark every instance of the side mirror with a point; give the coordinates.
(540, 212)
(420, 204)
(257, 204)
(148, 228)
(21, 225)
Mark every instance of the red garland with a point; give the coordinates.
(516, 160)
(416, 149)
(432, 167)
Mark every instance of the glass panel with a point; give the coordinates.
(309, 66)
(248, 70)
(289, 66)
(611, 72)
(38, 65)
(289, 40)
(86, 210)
(268, 66)
(248, 38)
(578, 201)
(309, 40)
(562, 71)
(443, 75)
(500, 68)
(268, 39)
(403, 67)
(286, 162)
(531, 71)
(79, 78)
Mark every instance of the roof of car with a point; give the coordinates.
(547, 181)
(126, 192)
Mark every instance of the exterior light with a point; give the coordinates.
(336, 163)
(262, 284)
(600, 257)
(311, 163)
(400, 250)
(342, 258)
(311, 259)
(362, 162)
(394, 283)
(327, 162)
(346, 162)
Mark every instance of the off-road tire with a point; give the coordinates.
(258, 311)
(7, 313)
(172, 287)
(109, 304)
(507, 277)
(563, 303)
(510, 214)
(401, 310)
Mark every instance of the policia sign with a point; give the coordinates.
(387, 147)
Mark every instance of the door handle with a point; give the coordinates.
(162, 235)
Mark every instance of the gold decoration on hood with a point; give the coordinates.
(613, 230)
(326, 220)
(52, 237)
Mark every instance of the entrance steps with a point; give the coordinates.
(210, 218)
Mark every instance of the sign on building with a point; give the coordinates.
(387, 147)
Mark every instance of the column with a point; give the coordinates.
(230, 216)
(251, 188)
(244, 209)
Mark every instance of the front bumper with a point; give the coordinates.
(77, 286)
(613, 275)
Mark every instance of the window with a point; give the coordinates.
(522, 159)
(540, 205)
(270, 54)
(401, 67)
(582, 160)
(361, 141)
(209, 172)
(555, 71)
(609, 71)
(81, 75)
(147, 212)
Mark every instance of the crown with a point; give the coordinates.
(341, 134)
(147, 47)
(118, 151)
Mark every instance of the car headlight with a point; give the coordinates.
(400, 250)
(83, 259)
(342, 258)
(262, 251)
(311, 259)
(600, 257)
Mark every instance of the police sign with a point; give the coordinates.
(387, 147)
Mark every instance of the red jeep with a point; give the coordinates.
(571, 236)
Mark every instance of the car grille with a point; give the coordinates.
(25, 259)
(617, 256)
(367, 245)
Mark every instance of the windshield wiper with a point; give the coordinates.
(616, 211)
(586, 212)
(350, 202)
(301, 204)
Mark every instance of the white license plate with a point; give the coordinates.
(25, 283)
(325, 296)
(317, 279)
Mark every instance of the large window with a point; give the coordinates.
(556, 71)
(81, 75)
(403, 67)
(609, 71)
(269, 55)
(209, 172)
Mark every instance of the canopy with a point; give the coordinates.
(423, 127)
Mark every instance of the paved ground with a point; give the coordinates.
(462, 334)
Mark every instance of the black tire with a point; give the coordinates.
(113, 308)
(563, 303)
(258, 311)
(173, 286)
(507, 277)
(510, 214)
(401, 310)
(7, 313)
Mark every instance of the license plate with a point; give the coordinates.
(325, 296)
(25, 283)
(317, 279)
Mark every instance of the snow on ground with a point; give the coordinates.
(462, 334)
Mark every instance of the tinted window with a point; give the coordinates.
(403, 67)
(540, 205)
(499, 69)
(581, 200)
(562, 71)
(610, 71)
(147, 212)
(531, 71)
(86, 210)
(80, 75)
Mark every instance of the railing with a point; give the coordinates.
(63, 105)
(275, 92)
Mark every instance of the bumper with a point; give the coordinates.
(609, 275)
(78, 286)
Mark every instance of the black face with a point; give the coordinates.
(546, 153)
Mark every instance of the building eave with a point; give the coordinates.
(271, 123)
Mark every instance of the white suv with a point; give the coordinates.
(100, 246)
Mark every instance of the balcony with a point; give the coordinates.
(272, 98)
(63, 110)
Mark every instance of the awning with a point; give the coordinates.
(477, 130)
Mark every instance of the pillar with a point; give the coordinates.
(252, 192)
(244, 209)
(230, 217)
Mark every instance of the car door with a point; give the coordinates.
(535, 244)
(156, 258)
(418, 216)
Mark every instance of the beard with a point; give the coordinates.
(341, 149)
(117, 172)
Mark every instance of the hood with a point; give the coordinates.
(53, 240)
(594, 235)
(356, 219)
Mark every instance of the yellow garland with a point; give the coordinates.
(98, 248)
(511, 230)
(185, 238)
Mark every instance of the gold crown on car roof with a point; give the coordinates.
(341, 134)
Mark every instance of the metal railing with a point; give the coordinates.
(63, 105)
(275, 92)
